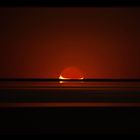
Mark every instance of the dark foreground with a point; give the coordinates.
(70, 120)
(86, 109)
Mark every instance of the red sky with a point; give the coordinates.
(41, 42)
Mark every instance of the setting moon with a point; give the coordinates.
(71, 73)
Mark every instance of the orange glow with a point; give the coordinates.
(71, 73)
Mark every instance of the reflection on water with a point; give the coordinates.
(71, 84)
(69, 94)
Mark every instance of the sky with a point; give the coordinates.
(42, 42)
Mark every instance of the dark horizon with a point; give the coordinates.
(57, 79)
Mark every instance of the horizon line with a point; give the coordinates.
(57, 79)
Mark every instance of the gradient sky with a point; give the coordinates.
(41, 42)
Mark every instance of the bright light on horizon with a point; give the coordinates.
(71, 73)
(62, 78)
